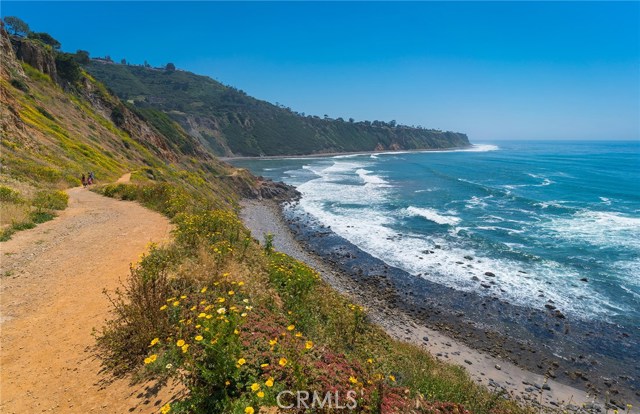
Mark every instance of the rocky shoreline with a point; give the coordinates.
(533, 355)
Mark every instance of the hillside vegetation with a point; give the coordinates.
(54, 130)
(233, 320)
(229, 122)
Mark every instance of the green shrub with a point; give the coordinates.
(51, 200)
(10, 196)
(19, 84)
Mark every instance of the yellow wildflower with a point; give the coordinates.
(204, 289)
(176, 303)
(231, 293)
(240, 283)
(165, 408)
(255, 387)
(392, 378)
(199, 338)
(249, 410)
(221, 311)
(185, 348)
(154, 341)
(308, 345)
(163, 307)
(291, 328)
(235, 331)
(269, 382)
(283, 361)
(264, 365)
(192, 308)
(353, 380)
(183, 297)
(202, 315)
(260, 394)
(242, 361)
(370, 360)
(180, 343)
(273, 341)
(220, 300)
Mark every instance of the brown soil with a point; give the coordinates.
(52, 281)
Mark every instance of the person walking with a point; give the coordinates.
(84, 180)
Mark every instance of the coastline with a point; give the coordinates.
(448, 334)
(338, 154)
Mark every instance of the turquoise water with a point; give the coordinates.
(541, 216)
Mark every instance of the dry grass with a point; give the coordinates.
(11, 213)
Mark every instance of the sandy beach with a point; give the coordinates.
(484, 366)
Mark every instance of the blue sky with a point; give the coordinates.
(541, 70)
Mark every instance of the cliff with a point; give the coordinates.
(229, 122)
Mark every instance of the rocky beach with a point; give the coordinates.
(543, 357)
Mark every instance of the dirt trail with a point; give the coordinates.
(52, 280)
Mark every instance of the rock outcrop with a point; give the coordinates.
(41, 58)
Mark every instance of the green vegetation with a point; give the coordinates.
(22, 213)
(237, 323)
(67, 67)
(231, 122)
(17, 26)
(45, 38)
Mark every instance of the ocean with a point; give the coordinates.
(545, 222)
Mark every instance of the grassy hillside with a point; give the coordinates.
(53, 131)
(229, 122)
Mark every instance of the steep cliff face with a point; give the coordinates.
(40, 58)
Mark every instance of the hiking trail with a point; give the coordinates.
(52, 279)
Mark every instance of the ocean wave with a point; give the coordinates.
(600, 228)
(480, 148)
(433, 215)
(477, 202)
(369, 178)
(605, 201)
(374, 230)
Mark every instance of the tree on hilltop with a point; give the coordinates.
(19, 26)
(82, 57)
(45, 38)
(170, 67)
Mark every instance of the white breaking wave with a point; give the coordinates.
(433, 215)
(481, 148)
(359, 213)
(369, 178)
(600, 228)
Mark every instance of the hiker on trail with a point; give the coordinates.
(84, 181)
(89, 180)
(91, 176)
